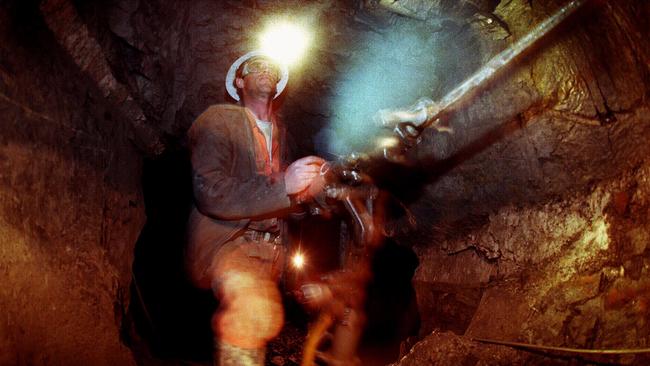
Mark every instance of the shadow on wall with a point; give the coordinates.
(170, 318)
(391, 308)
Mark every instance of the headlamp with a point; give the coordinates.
(284, 41)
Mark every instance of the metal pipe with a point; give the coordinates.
(463, 92)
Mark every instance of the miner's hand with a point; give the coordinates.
(314, 295)
(301, 173)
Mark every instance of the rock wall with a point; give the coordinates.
(70, 203)
(540, 221)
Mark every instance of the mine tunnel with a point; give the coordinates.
(520, 237)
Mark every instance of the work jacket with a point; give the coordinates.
(230, 191)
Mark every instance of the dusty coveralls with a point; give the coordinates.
(234, 236)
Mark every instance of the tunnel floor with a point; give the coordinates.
(285, 350)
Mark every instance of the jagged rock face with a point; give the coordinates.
(553, 200)
(70, 204)
(532, 216)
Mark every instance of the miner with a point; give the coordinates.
(242, 193)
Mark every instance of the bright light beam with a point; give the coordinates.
(285, 42)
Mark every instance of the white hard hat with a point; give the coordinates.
(232, 74)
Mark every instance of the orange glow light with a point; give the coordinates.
(298, 260)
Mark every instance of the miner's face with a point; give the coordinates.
(259, 77)
(261, 65)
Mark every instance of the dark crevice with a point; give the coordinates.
(171, 319)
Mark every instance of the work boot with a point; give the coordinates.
(229, 355)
